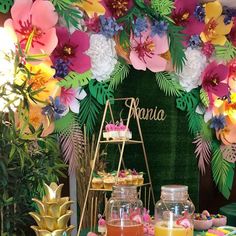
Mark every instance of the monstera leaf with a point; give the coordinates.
(5, 6)
(188, 101)
(101, 91)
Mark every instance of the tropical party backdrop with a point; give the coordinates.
(60, 60)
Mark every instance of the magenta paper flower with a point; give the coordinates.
(183, 15)
(215, 80)
(117, 8)
(70, 98)
(39, 17)
(145, 51)
(71, 48)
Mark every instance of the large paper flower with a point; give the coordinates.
(35, 19)
(72, 48)
(146, 50)
(215, 28)
(183, 15)
(117, 8)
(190, 76)
(214, 80)
(91, 7)
(70, 98)
(103, 55)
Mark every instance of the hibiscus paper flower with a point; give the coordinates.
(36, 18)
(72, 48)
(146, 50)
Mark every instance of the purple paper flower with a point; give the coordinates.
(109, 27)
(140, 25)
(194, 41)
(71, 49)
(159, 28)
(55, 109)
(61, 68)
(218, 122)
(199, 13)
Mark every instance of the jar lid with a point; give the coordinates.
(174, 188)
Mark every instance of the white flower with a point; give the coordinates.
(103, 56)
(190, 76)
(7, 48)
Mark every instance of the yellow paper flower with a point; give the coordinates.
(41, 79)
(215, 28)
(91, 7)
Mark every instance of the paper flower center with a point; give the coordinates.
(38, 80)
(181, 18)
(145, 49)
(210, 28)
(27, 28)
(213, 80)
(118, 8)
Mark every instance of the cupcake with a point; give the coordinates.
(109, 182)
(111, 132)
(97, 183)
(121, 181)
(129, 179)
(140, 178)
(124, 132)
(134, 177)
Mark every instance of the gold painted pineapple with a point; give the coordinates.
(54, 213)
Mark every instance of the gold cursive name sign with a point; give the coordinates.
(147, 113)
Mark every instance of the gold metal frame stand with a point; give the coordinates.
(146, 189)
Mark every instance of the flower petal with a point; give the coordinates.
(81, 39)
(222, 71)
(63, 35)
(81, 94)
(43, 14)
(20, 10)
(221, 27)
(213, 10)
(49, 39)
(161, 44)
(185, 5)
(91, 7)
(75, 105)
(219, 40)
(156, 63)
(136, 62)
(80, 63)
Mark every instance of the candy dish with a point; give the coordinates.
(202, 222)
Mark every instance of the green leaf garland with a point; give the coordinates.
(89, 111)
(101, 91)
(223, 171)
(120, 72)
(176, 46)
(75, 80)
(169, 84)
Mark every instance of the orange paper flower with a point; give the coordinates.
(215, 28)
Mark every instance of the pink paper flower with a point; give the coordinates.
(214, 80)
(70, 98)
(38, 17)
(183, 15)
(72, 48)
(146, 50)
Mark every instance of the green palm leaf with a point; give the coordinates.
(101, 91)
(120, 72)
(226, 52)
(195, 122)
(223, 172)
(168, 82)
(89, 111)
(75, 80)
(176, 46)
(163, 7)
(204, 97)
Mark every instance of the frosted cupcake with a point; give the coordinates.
(97, 183)
(140, 178)
(129, 179)
(134, 177)
(109, 182)
(124, 132)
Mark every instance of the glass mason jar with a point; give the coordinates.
(173, 212)
(124, 212)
